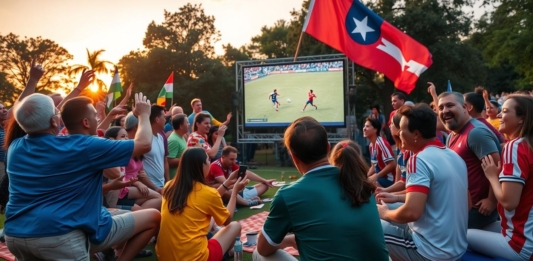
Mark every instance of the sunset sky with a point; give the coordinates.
(119, 26)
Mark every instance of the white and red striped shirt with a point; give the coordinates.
(380, 154)
(517, 225)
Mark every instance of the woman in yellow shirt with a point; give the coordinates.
(492, 113)
(187, 208)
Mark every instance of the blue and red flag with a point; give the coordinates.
(368, 40)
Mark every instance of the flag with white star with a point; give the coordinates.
(352, 28)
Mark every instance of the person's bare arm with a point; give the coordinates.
(112, 173)
(143, 137)
(86, 78)
(166, 175)
(146, 181)
(214, 149)
(507, 193)
(410, 211)
(36, 72)
(433, 92)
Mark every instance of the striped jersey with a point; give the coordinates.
(517, 225)
(380, 154)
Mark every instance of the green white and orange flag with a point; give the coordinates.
(115, 89)
(166, 91)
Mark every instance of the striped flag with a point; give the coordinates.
(449, 88)
(114, 90)
(167, 91)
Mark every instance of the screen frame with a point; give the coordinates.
(282, 125)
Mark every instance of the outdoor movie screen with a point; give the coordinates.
(276, 95)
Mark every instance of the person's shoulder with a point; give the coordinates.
(216, 164)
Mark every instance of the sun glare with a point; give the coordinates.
(93, 87)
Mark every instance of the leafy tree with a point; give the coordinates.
(15, 60)
(182, 44)
(506, 36)
(7, 90)
(272, 42)
(97, 65)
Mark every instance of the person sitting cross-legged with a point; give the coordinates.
(432, 222)
(56, 213)
(223, 167)
(189, 205)
(330, 211)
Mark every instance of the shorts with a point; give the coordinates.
(215, 250)
(248, 193)
(309, 102)
(74, 245)
(385, 182)
(125, 201)
(274, 101)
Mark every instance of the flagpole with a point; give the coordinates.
(298, 47)
(172, 99)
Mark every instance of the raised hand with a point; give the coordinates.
(228, 117)
(118, 110)
(221, 130)
(489, 167)
(233, 177)
(100, 107)
(124, 101)
(431, 89)
(142, 105)
(240, 184)
(36, 70)
(87, 77)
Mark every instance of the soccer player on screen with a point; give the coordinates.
(311, 96)
(274, 97)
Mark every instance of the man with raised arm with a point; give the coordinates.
(196, 105)
(55, 208)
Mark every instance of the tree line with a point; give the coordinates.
(494, 51)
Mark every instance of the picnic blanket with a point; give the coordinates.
(4, 253)
(255, 223)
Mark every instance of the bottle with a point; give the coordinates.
(237, 249)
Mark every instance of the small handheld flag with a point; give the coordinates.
(167, 91)
(114, 90)
(449, 88)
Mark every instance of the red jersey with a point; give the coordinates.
(218, 170)
(311, 96)
(380, 154)
(517, 160)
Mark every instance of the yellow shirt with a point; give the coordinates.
(183, 236)
(495, 123)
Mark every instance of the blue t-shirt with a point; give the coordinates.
(56, 184)
(193, 114)
(168, 127)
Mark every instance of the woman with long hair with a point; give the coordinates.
(510, 181)
(188, 206)
(13, 131)
(346, 155)
(200, 128)
(381, 155)
(139, 196)
(212, 136)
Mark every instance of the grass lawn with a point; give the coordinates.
(266, 172)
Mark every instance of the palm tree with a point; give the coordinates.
(98, 66)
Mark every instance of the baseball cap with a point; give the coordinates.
(131, 121)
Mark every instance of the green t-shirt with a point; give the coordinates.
(325, 224)
(176, 146)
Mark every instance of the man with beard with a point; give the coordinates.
(472, 140)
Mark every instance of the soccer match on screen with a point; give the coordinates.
(276, 95)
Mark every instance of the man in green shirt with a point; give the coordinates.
(176, 142)
(315, 209)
